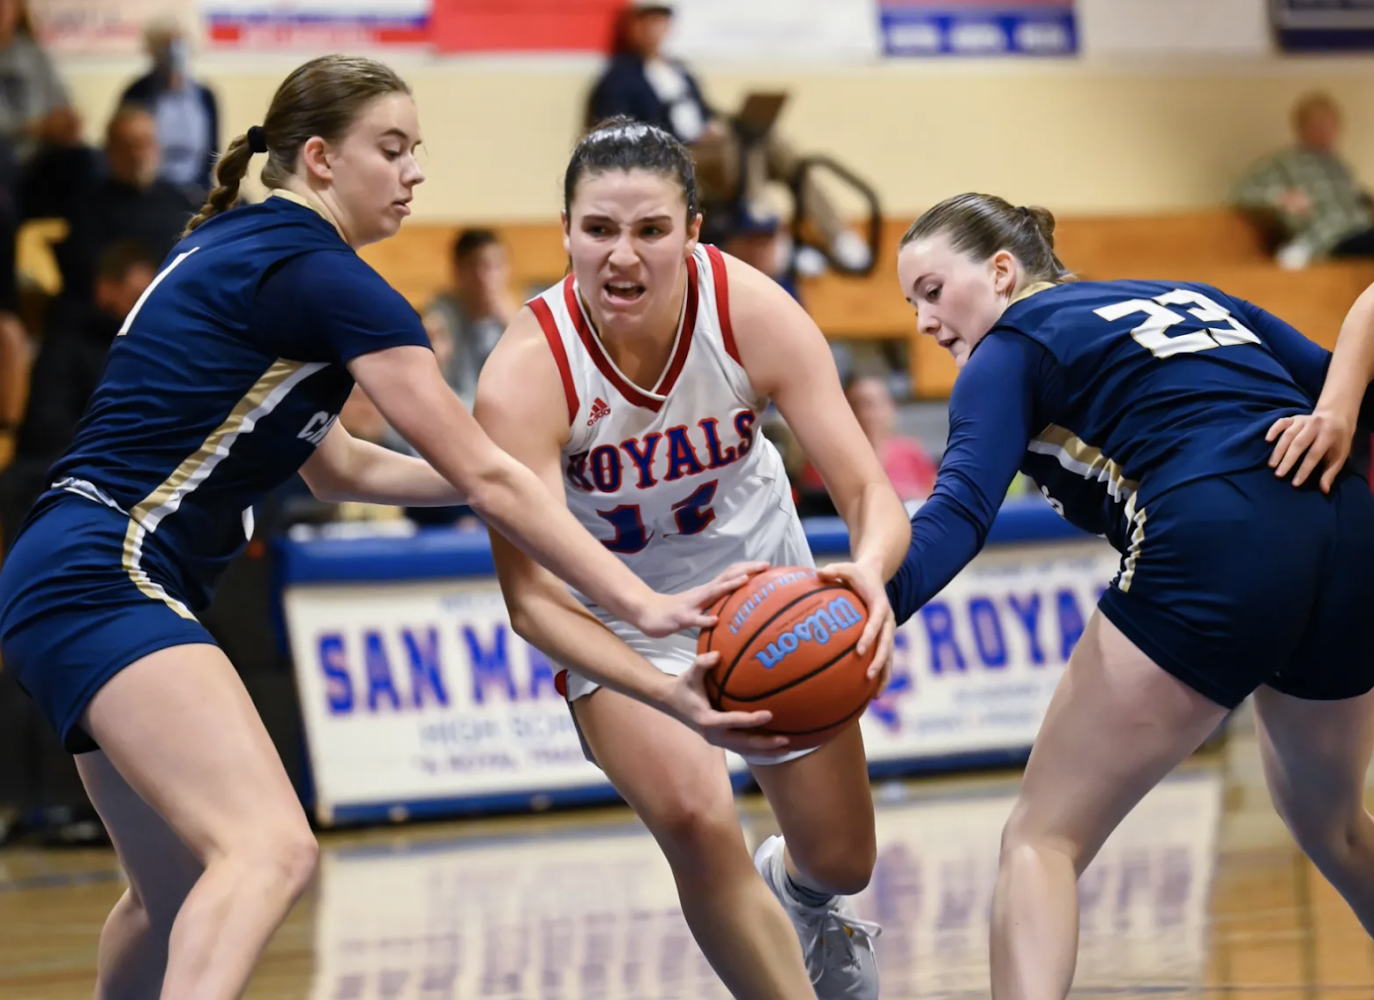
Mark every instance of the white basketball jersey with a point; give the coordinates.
(678, 481)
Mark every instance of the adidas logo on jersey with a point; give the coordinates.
(600, 408)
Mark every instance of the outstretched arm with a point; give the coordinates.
(991, 420)
(406, 385)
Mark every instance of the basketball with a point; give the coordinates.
(786, 641)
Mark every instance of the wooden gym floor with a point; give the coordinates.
(1200, 895)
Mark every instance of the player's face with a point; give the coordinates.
(374, 169)
(628, 238)
(957, 298)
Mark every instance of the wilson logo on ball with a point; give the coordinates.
(818, 627)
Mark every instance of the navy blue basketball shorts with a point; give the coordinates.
(74, 610)
(1240, 580)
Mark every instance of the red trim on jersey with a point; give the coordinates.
(632, 393)
(722, 283)
(684, 344)
(550, 327)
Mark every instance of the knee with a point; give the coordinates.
(283, 856)
(844, 866)
(1327, 836)
(698, 835)
(296, 858)
(1024, 842)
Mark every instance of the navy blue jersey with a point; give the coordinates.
(1106, 394)
(225, 376)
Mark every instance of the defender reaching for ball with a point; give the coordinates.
(633, 388)
(1166, 418)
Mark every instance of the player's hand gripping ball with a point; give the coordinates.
(787, 641)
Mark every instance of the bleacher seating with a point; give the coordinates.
(1217, 247)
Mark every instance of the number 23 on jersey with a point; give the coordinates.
(1154, 336)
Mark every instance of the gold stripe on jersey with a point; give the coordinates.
(1133, 554)
(148, 514)
(1033, 288)
(1076, 455)
(133, 554)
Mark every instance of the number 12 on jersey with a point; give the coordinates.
(693, 515)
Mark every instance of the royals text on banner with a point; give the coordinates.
(419, 695)
(1316, 25)
(978, 27)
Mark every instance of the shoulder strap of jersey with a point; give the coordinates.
(715, 324)
(560, 333)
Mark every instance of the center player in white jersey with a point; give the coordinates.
(633, 389)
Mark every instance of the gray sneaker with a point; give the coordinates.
(837, 945)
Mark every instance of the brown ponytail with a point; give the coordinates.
(982, 224)
(229, 173)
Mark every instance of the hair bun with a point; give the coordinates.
(1043, 219)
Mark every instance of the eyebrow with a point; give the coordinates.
(399, 135)
(658, 219)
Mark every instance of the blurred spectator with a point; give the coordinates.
(467, 320)
(184, 109)
(906, 463)
(38, 122)
(642, 83)
(70, 360)
(14, 345)
(758, 240)
(1306, 196)
(130, 204)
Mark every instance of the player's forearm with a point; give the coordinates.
(1352, 364)
(879, 530)
(945, 537)
(566, 632)
(374, 474)
(511, 498)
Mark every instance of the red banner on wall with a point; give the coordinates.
(524, 25)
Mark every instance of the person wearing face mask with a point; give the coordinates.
(1166, 417)
(226, 378)
(184, 109)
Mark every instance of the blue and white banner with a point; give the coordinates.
(978, 27)
(418, 698)
(315, 25)
(780, 30)
(1324, 25)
